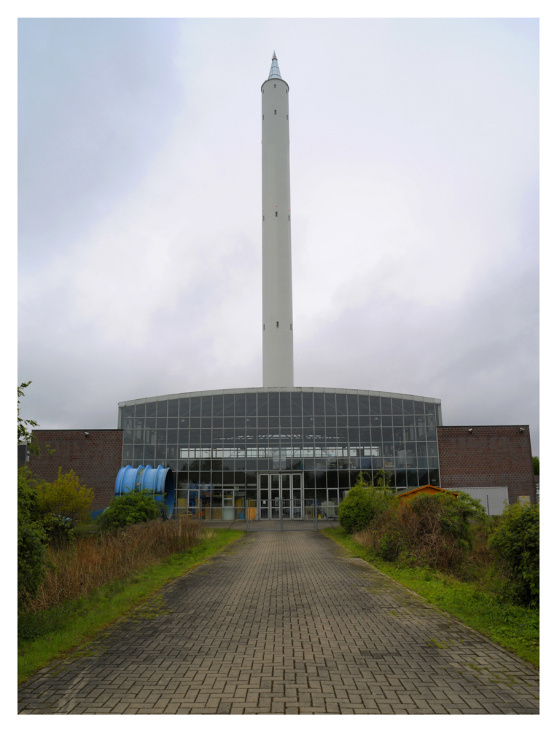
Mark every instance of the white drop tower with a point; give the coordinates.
(278, 350)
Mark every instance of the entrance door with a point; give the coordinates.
(280, 490)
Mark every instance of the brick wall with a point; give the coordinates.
(488, 456)
(96, 459)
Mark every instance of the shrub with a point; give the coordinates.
(130, 508)
(31, 539)
(66, 497)
(361, 504)
(430, 529)
(516, 543)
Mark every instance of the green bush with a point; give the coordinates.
(516, 543)
(131, 508)
(432, 530)
(31, 539)
(362, 503)
(66, 497)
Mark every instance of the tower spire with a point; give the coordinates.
(275, 71)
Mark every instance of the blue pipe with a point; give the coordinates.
(159, 480)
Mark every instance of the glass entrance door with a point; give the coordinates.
(280, 490)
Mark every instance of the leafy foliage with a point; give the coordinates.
(31, 539)
(65, 497)
(516, 542)
(536, 464)
(432, 530)
(362, 503)
(130, 508)
(24, 434)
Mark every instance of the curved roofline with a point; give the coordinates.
(265, 389)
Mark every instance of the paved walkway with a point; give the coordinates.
(285, 623)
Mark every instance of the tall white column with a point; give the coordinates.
(278, 352)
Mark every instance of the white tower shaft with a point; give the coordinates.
(278, 351)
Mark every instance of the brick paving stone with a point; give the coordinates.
(285, 623)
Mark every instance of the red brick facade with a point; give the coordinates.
(96, 459)
(486, 457)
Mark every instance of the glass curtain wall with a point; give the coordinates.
(217, 443)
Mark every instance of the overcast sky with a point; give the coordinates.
(414, 193)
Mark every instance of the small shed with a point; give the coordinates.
(430, 490)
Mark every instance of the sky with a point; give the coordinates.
(414, 194)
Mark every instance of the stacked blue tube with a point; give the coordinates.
(159, 480)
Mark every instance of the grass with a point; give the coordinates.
(51, 633)
(511, 626)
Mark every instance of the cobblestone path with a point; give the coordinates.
(285, 623)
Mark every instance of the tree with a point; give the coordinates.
(31, 539)
(24, 435)
(66, 497)
(516, 543)
(536, 463)
(63, 504)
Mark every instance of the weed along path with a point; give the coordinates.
(285, 623)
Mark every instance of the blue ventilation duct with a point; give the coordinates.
(159, 480)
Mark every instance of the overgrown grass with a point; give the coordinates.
(51, 632)
(511, 626)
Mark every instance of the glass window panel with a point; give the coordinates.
(285, 404)
(273, 403)
(296, 403)
(341, 404)
(161, 422)
(398, 434)
(160, 454)
(184, 407)
(307, 403)
(397, 406)
(206, 406)
(354, 436)
(330, 404)
(319, 403)
(228, 402)
(151, 409)
(353, 421)
(138, 452)
(140, 410)
(418, 407)
(240, 405)
(172, 407)
(162, 408)
(262, 405)
(172, 422)
(251, 404)
(352, 403)
(429, 407)
(363, 404)
(386, 407)
(386, 420)
(218, 405)
(400, 479)
(407, 406)
(387, 433)
(412, 478)
(149, 453)
(129, 411)
(195, 407)
(128, 436)
(172, 437)
(434, 477)
(423, 477)
(398, 421)
(206, 437)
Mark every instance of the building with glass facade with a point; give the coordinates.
(230, 445)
